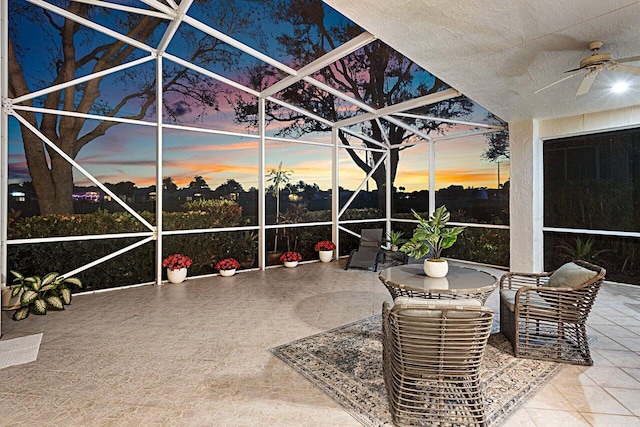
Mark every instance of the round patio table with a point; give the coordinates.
(460, 283)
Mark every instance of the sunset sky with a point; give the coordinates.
(128, 152)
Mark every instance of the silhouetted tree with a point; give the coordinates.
(168, 185)
(375, 74)
(229, 187)
(198, 183)
(78, 50)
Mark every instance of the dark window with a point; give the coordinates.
(593, 181)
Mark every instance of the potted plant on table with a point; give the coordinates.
(395, 239)
(38, 294)
(227, 266)
(325, 249)
(177, 265)
(431, 236)
(290, 258)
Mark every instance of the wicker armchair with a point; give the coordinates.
(544, 315)
(432, 351)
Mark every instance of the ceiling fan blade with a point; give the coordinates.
(556, 82)
(575, 69)
(627, 69)
(629, 59)
(586, 83)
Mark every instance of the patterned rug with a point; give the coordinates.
(346, 363)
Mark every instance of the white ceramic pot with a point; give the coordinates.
(436, 268)
(176, 276)
(326, 256)
(291, 264)
(228, 273)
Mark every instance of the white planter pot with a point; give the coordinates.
(291, 264)
(228, 273)
(177, 276)
(326, 256)
(438, 268)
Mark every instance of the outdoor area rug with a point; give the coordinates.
(346, 363)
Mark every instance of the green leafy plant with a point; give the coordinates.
(581, 249)
(394, 238)
(431, 235)
(40, 294)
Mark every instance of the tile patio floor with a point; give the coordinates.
(196, 354)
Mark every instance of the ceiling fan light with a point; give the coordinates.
(619, 87)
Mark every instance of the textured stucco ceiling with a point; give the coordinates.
(498, 52)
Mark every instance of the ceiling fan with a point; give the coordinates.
(595, 63)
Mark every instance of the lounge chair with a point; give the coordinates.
(369, 252)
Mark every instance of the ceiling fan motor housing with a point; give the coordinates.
(595, 59)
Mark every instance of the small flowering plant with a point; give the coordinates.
(290, 256)
(176, 262)
(324, 245)
(227, 264)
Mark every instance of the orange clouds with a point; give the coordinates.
(244, 145)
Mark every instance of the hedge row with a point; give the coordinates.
(138, 265)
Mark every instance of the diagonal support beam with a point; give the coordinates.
(129, 9)
(362, 184)
(82, 170)
(238, 45)
(83, 79)
(458, 122)
(173, 26)
(432, 98)
(90, 24)
(160, 6)
(325, 60)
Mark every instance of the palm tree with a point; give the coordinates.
(279, 178)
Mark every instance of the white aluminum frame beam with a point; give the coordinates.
(128, 9)
(157, 235)
(107, 31)
(83, 79)
(4, 141)
(326, 59)
(300, 110)
(363, 183)
(432, 98)
(459, 122)
(208, 73)
(82, 115)
(82, 170)
(161, 6)
(383, 148)
(238, 45)
(173, 26)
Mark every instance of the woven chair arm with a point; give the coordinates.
(547, 303)
(515, 280)
(541, 292)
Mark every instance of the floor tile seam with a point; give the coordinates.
(545, 423)
(618, 355)
(626, 371)
(582, 386)
(559, 391)
(595, 380)
(630, 412)
(603, 330)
